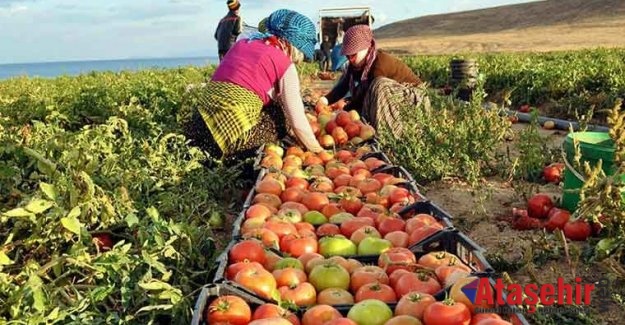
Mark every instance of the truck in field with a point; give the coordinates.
(333, 22)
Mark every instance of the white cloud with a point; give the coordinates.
(12, 9)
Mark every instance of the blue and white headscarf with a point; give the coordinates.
(292, 26)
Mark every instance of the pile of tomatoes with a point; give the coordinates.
(335, 127)
(416, 309)
(330, 238)
(541, 213)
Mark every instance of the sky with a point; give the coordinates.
(68, 30)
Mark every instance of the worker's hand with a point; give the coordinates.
(339, 105)
(322, 104)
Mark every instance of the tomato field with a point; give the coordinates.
(108, 216)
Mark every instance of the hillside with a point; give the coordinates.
(535, 26)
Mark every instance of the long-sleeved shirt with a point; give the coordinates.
(269, 73)
(227, 30)
(385, 65)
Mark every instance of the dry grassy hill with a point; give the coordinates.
(535, 26)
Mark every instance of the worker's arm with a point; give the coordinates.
(339, 91)
(293, 108)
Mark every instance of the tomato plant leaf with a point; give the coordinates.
(71, 223)
(155, 285)
(37, 206)
(154, 307)
(131, 219)
(4, 259)
(35, 284)
(49, 190)
(18, 212)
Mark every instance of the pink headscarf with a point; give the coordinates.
(357, 38)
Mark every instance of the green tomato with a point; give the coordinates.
(275, 148)
(330, 275)
(340, 217)
(373, 246)
(289, 262)
(315, 218)
(370, 312)
(337, 246)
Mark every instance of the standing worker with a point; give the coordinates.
(326, 49)
(228, 28)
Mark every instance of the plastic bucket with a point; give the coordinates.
(594, 146)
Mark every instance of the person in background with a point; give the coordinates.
(228, 28)
(254, 96)
(379, 83)
(326, 49)
(339, 61)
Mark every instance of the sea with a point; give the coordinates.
(72, 68)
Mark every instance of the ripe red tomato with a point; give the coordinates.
(343, 118)
(538, 206)
(391, 224)
(228, 310)
(289, 276)
(266, 236)
(424, 232)
(233, 269)
(397, 258)
(366, 275)
(103, 241)
(302, 294)
(315, 201)
(578, 230)
(258, 281)
(553, 172)
(320, 314)
(398, 238)
(369, 185)
(272, 310)
(350, 226)
(300, 246)
(557, 218)
(525, 108)
(258, 211)
(328, 229)
(377, 291)
(270, 186)
(433, 260)
(446, 312)
(413, 304)
(270, 200)
(250, 250)
(351, 204)
(420, 282)
(335, 296)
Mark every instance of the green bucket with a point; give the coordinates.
(594, 146)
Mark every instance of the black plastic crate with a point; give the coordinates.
(211, 291)
(238, 221)
(376, 154)
(430, 208)
(455, 242)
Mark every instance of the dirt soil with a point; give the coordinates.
(527, 256)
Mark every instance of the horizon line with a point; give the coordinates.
(104, 60)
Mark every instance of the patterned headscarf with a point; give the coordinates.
(358, 38)
(296, 28)
(233, 4)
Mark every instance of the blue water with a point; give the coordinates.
(55, 69)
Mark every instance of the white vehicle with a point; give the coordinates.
(333, 22)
